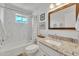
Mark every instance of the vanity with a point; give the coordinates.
(47, 50)
(57, 47)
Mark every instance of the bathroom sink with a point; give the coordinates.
(56, 43)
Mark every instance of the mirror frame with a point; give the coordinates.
(61, 8)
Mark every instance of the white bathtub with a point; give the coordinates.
(11, 50)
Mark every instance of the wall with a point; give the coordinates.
(65, 33)
(37, 12)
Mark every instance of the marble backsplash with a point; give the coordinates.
(56, 37)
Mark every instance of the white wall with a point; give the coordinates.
(37, 12)
(65, 33)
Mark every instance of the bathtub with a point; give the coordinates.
(14, 50)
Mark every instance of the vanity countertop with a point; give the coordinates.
(66, 48)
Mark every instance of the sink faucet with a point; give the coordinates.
(73, 53)
(56, 36)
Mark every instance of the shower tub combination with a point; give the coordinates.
(14, 37)
(14, 50)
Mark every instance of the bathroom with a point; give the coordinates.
(39, 29)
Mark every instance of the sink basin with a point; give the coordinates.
(56, 43)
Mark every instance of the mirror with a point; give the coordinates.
(63, 18)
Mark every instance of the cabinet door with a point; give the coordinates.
(49, 51)
(41, 53)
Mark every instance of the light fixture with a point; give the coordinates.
(58, 4)
(51, 6)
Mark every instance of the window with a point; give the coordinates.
(21, 19)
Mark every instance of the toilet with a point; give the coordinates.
(31, 49)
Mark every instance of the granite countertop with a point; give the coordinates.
(66, 47)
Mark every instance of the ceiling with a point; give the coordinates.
(30, 6)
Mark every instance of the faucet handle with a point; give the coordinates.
(73, 53)
(2, 40)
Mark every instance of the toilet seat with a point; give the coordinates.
(31, 49)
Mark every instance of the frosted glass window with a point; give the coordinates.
(24, 19)
(21, 19)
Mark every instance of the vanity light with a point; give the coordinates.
(58, 4)
(51, 6)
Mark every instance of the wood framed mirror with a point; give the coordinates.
(64, 17)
